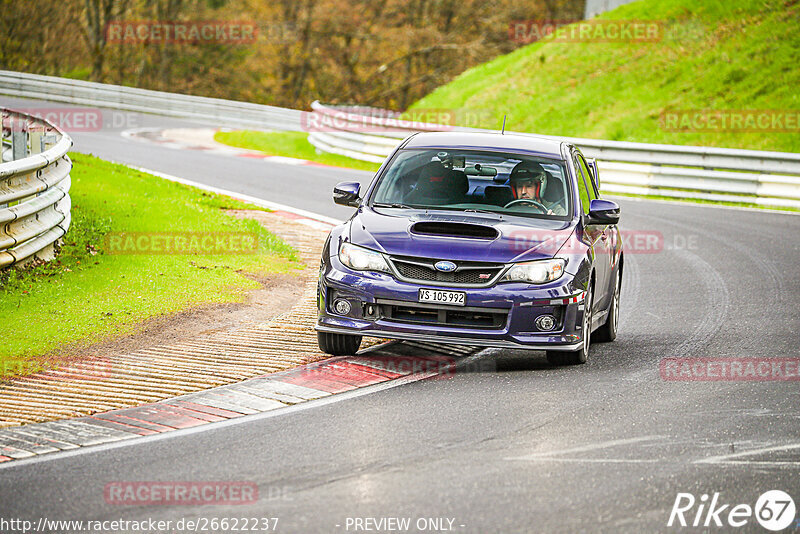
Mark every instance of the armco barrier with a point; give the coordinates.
(214, 111)
(766, 178)
(34, 188)
(718, 174)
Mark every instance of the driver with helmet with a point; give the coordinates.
(529, 182)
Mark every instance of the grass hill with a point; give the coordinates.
(710, 55)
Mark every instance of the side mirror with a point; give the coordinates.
(592, 164)
(603, 212)
(346, 194)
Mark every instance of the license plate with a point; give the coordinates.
(454, 298)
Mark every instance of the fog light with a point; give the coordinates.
(545, 322)
(341, 306)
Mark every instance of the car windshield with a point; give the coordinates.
(466, 180)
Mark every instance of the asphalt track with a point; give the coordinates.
(510, 444)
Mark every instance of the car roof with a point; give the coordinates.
(491, 141)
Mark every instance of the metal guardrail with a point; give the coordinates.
(214, 111)
(707, 173)
(719, 174)
(34, 188)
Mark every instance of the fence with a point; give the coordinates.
(717, 174)
(34, 188)
(214, 111)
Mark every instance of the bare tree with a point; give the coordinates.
(386, 53)
(98, 14)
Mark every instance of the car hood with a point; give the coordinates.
(395, 232)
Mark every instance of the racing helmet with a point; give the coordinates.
(528, 173)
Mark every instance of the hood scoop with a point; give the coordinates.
(455, 229)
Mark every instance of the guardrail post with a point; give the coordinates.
(37, 142)
(19, 139)
(35, 135)
(48, 140)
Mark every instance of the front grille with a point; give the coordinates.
(411, 312)
(467, 273)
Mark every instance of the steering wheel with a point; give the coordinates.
(530, 202)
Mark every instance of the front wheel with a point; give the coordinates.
(608, 332)
(338, 344)
(576, 357)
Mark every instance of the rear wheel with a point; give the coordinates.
(338, 344)
(608, 332)
(575, 357)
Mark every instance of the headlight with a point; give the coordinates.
(362, 259)
(535, 272)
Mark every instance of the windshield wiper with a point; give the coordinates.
(476, 210)
(392, 205)
(426, 208)
(467, 210)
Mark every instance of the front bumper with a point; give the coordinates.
(519, 304)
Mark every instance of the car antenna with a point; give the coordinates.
(503, 131)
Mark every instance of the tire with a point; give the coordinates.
(608, 332)
(338, 344)
(576, 357)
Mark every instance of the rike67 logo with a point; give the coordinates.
(774, 510)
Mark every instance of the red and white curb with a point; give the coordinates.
(388, 364)
(206, 143)
(410, 361)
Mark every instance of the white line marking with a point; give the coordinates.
(241, 196)
(235, 421)
(725, 458)
(286, 160)
(588, 460)
(585, 448)
(756, 463)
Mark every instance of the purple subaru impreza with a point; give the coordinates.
(477, 239)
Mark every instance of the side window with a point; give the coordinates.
(582, 192)
(588, 176)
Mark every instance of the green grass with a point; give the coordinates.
(740, 55)
(88, 294)
(713, 54)
(291, 145)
